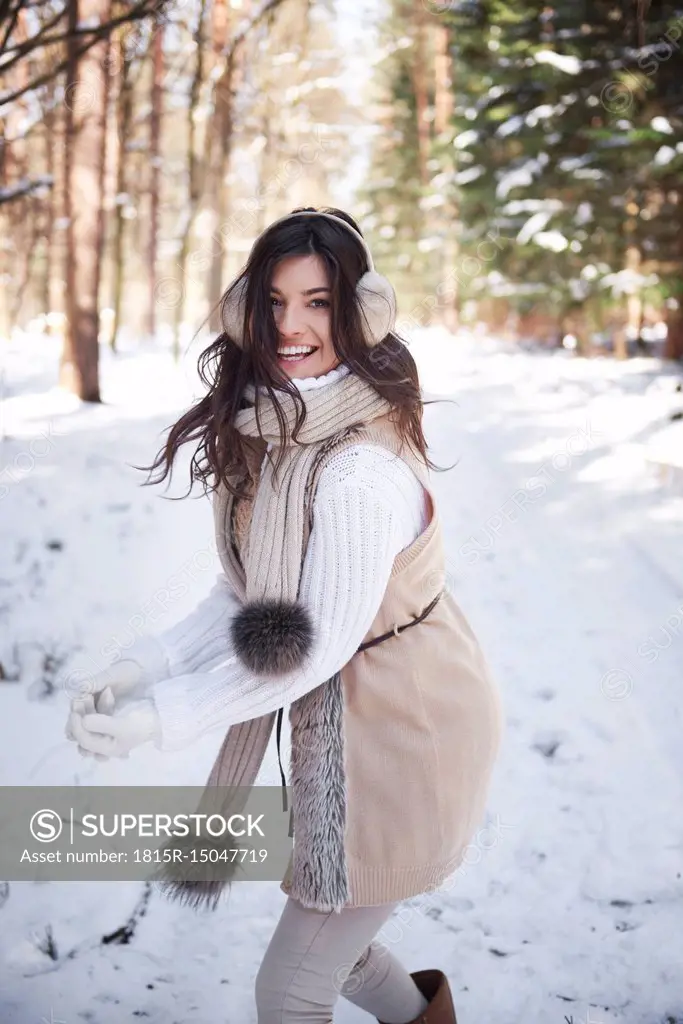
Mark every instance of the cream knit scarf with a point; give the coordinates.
(280, 526)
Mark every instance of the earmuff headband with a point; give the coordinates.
(376, 295)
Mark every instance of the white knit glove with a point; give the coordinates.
(115, 735)
(114, 686)
(125, 680)
(109, 691)
(104, 703)
(144, 663)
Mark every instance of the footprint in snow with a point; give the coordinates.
(547, 743)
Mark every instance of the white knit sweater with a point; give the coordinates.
(368, 506)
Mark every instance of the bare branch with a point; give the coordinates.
(12, 20)
(249, 23)
(142, 10)
(21, 49)
(24, 188)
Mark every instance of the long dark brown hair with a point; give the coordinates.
(225, 368)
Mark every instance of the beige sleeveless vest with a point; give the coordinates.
(422, 719)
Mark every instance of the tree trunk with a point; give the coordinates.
(124, 118)
(219, 146)
(48, 279)
(634, 306)
(674, 339)
(14, 168)
(265, 163)
(155, 178)
(443, 111)
(221, 129)
(32, 230)
(420, 88)
(673, 348)
(194, 183)
(85, 151)
(443, 80)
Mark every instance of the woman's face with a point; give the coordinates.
(300, 298)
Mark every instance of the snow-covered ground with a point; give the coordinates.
(565, 544)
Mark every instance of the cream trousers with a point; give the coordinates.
(314, 957)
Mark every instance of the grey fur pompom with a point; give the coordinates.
(272, 637)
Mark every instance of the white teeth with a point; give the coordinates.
(295, 350)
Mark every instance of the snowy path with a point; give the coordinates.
(567, 555)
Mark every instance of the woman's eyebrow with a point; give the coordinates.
(308, 291)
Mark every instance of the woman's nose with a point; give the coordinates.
(290, 322)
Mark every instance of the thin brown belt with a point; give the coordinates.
(396, 631)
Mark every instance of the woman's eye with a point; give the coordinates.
(323, 302)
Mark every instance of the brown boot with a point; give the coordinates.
(434, 987)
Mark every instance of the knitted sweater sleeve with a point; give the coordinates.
(195, 642)
(368, 506)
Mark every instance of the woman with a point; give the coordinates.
(332, 601)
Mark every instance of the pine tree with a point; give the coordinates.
(569, 145)
(391, 202)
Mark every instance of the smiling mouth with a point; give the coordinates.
(296, 356)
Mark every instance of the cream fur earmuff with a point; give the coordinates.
(376, 295)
